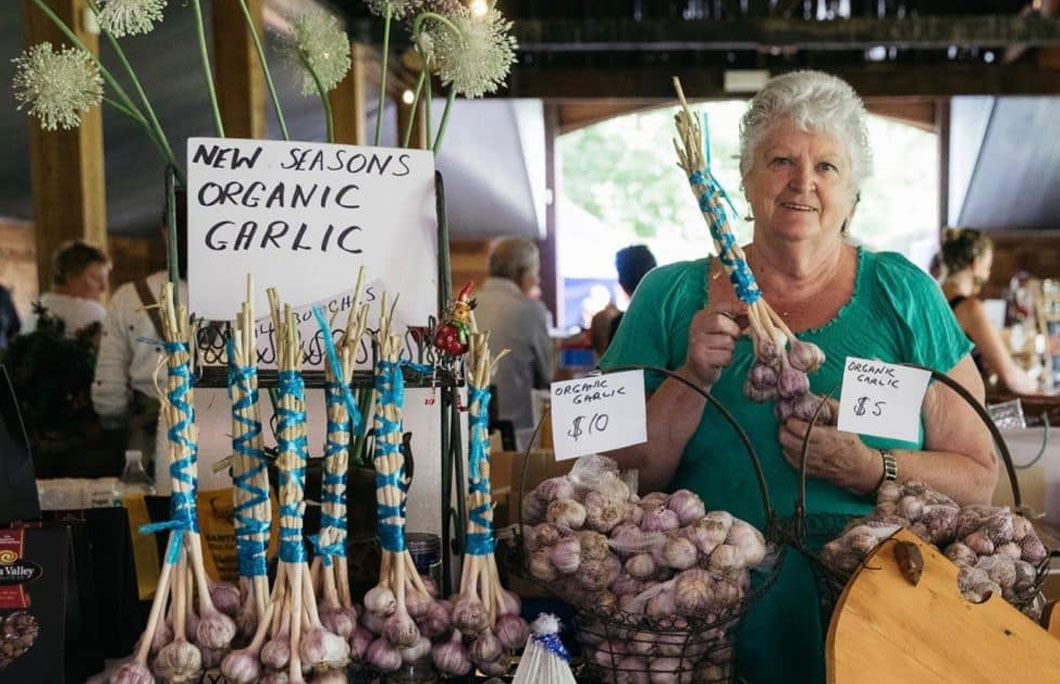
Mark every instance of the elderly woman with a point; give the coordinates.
(804, 153)
(967, 256)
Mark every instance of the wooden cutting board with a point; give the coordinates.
(887, 631)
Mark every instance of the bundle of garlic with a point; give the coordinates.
(298, 641)
(782, 362)
(252, 512)
(179, 660)
(545, 660)
(389, 606)
(674, 575)
(487, 627)
(344, 421)
(997, 550)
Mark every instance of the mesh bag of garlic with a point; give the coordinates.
(659, 581)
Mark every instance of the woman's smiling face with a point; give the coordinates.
(800, 185)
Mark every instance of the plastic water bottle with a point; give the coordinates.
(134, 478)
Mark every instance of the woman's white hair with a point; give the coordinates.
(814, 101)
(510, 257)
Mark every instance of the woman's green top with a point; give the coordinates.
(896, 314)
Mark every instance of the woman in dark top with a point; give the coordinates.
(967, 256)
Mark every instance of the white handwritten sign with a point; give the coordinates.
(882, 399)
(303, 217)
(598, 413)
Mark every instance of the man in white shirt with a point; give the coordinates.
(79, 278)
(518, 323)
(123, 392)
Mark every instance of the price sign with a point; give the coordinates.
(882, 399)
(598, 413)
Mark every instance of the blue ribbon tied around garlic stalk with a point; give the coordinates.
(390, 391)
(479, 543)
(339, 435)
(250, 547)
(712, 200)
(290, 384)
(183, 512)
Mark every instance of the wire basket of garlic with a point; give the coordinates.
(659, 582)
(996, 548)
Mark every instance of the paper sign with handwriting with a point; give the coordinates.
(882, 399)
(303, 217)
(598, 413)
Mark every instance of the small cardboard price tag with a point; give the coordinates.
(598, 413)
(882, 399)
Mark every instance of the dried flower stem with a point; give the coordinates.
(155, 125)
(207, 71)
(415, 103)
(382, 76)
(265, 68)
(328, 117)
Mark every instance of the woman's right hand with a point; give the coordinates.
(711, 340)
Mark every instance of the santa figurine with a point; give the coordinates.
(454, 333)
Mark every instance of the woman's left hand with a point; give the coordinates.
(839, 457)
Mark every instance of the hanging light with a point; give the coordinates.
(479, 8)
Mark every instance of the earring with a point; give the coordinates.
(749, 218)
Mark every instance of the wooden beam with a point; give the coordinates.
(572, 84)
(348, 99)
(925, 31)
(551, 282)
(241, 84)
(69, 198)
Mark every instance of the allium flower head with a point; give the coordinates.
(130, 17)
(56, 87)
(322, 46)
(399, 9)
(476, 61)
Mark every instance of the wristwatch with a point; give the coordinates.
(890, 466)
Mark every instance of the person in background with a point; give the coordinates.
(10, 323)
(967, 256)
(632, 263)
(123, 391)
(519, 323)
(79, 279)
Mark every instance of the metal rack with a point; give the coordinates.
(446, 376)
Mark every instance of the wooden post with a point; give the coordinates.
(551, 284)
(240, 82)
(942, 128)
(418, 140)
(348, 100)
(69, 201)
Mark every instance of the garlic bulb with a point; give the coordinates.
(640, 566)
(805, 356)
(541, 537)
(1033, 551)
(1010, 549)
(276, 652)
(512, 631)
(382, 656)
(706, 534)
(601, 513)
(633, 514)
(566, 515)
(669, 671)
(792, 383)
(380, 601)
(418, 651)
(338, 620)
(659, 520)
(723, 517)
(566, 555)
(910, 508)
(485, 648)
(401, 631)
(680, 554)
(692, 594)
(320, 648)
(435, 622)
(215, 630)
(727, 558)
(749, 540)
(627, 584)
(555, 489)
(179, 661)
(960, 554)
(595, 575)
(762, 377)
(360, 640)
(510, 603)
(451, 656)
(1021, 527)
(662, 604)
(889, 492)
(541, 567)
(594, 545)
(132, 672)
(372, 622)
(225, 598)
(687, 505)
(469, 615)
(631, 670)
(979, 543)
